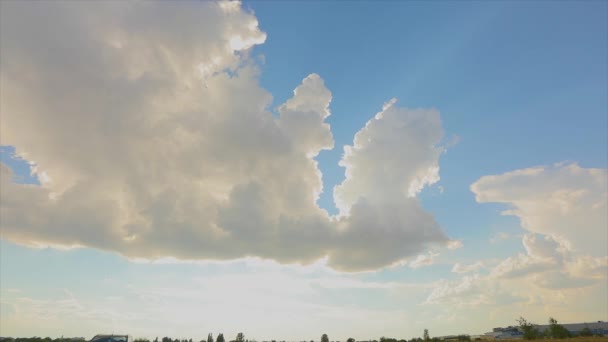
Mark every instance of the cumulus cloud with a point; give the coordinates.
(152, 137)
(406, 142)
(392, 158)
(564, 209)
(565, 201)
(522, 265)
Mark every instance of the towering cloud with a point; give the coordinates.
(564, 208)
(392, 158)
(152, 137)
(564, 201)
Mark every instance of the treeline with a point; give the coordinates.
(240, 337)
(40, 339)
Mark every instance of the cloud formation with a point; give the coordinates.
(565, 201)
(151, 137)
(563, 207)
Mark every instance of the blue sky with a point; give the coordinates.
(516, 75)
(171, 172)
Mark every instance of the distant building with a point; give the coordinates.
(508, 333)
(513, 332)
(597, 328)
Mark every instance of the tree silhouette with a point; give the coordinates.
(240, 337)
(220, 338)
(210, 337)
(426, 335)
(324, 338)
(350, 339)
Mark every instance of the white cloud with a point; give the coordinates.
(153, 139)
(455, 244)
(424, 260)
(522, 265)
(564, 209)
(465, 291)
(391, 159)
(393, 156)
(564, 201)
(587, 266)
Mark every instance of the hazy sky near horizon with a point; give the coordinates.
(288, 169)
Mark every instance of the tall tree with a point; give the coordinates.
(220, 338)
(210, 337)
(557, 330)
(240, 337)
(529, 330)
(324, 338)
(426, 335)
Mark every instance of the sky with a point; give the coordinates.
(288, 169)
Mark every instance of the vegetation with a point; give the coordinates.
(555, 331)
(529, 329)
(586, 332)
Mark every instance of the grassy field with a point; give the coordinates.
(585, 339)
(581, 339)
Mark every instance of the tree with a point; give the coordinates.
(530, 331)
(220, 338)
(586, 332)
(324, 338)
(350, 339)
(557, 330)
(426, 335)
(240, 337)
